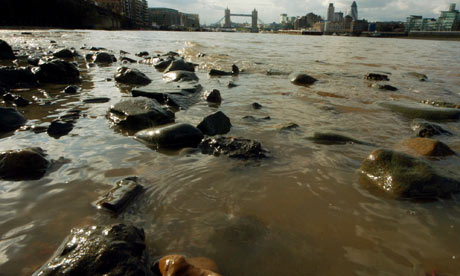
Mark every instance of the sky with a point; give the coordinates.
(211, 11)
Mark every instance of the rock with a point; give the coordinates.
(131, 76)
(180, 65)
(235, 70)
(272, 72)
(171, 54)
(113, 250)
(420, 77)
(10, 119)
(441, 104)
(384, 87)
(303, 79)
(181, 96)
(20, 77)
(71, 89)
(104, 57)
(174, 136)
(24, 164)
(334, 139)
(231, 84)
(57, 71)
(142, 54)
(423, 128)
(215, 72)
(177, 265)
(217, 123)
(213, 96)
(256, 120)
(128, 60)
(89, 57)
(413, 111)
(180, 76)
(8, 97)
(97, 100)
(59, 128)
(376, 77)
(237, 148)
(200, 55)
(402, 176)
(64, 53)
(21, 102)
(6, 52)
(288, 127)
(427, 147)
(121, 195)
(53, 41)
(161, 64)
(256, 106)
(139, 113)
(33, 60)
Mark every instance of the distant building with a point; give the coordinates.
(330, 12)
(354, 11)
(448, 21)
(189, 20)
(319, 26)
(347, 22)
(359, 26)
(115, 6)
(283, 18)
(312, 19)
(338, 17)
(164, 17)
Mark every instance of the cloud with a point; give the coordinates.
(269, 10)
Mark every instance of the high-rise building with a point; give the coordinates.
(283, 18)
(338, 17)
(354, 11)
(330, 12)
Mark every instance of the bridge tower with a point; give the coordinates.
(227, 23)
(254, 28)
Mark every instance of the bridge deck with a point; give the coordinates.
(247, 15)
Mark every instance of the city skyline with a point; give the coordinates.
(269, 10)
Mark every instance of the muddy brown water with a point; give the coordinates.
(302, 212)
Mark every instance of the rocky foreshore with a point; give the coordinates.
(148, 114)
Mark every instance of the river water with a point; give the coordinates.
(302, 212)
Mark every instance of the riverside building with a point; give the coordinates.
(447, 22)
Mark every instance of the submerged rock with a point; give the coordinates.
(441, 104)
(64, 53)
(333, 139)
(288, 127)
(384, 87)
(423, 128)
(256, 105)
(237, 148)
(256, 120)
(24, 164)
(213, 96)
(6, 52)
(231, 84)
(59, 128)
(180, 76)
(273, 72)
(142, 54)
(413, 111)
(217, 123)
(180, 65)
(19, 101)
(131, 76)
(97, 100)
(215, 72)
(139, 113)
(427, 147)
(103, 57)
(303, 79)
(57, 71)
(402, 176)
(175, 136)
(419, 76)
(116, 250)
(161, 64)
(177, 265)
(21, 77)
(177, 96)
(10, 119)
(124, 192)
(376, 77)
(71, 89)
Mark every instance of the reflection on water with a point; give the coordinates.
(302, 212)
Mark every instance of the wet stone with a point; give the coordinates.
(177, 265)
(8, 97)
(441, 104)
(174, 136)
(128, 60)
(57, 71)
(414, 110)
(64, 53)
(237, 148)
(21, 102)
(256, 120)
(427, 147)
(20, 77)
(142, 54)
(180, 76)
(23, 164)
(71, 89)
(419, 76)
(231, 84)
(6, 52)
(384, 87)
(59, 128)
(216, 73)
(103, 57)
(131, 76)
(256, 106)
(114, 250)
(288, 127)
(124, 192)
(97, 100)
(10, 119)
(424, 128)
(161, 64)
(139, 113)
(399, 176)
(376, 77)
(180, 65)
(213, 96)
(214, 124)
(303, 80)
(33, 60)
(334, 139)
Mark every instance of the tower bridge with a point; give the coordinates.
(228, 22)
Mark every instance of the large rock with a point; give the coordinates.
(237, 148)
(180, 76)
(415, 110)
(116, 250)
(20, 77)
(59, 128)
(24, 164)
(402, 176)
(103, 57)
(6, 52)
(10, 119)
(57, 71)
(423, 128)
(177, 265)
(303, 79)
(427, 147)
(139, 113)
(217, 123)
(180, 65)
(177, 96)
(213, 96)
(64, 53)
(124, 192)
(173, 136)
(131, 76)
